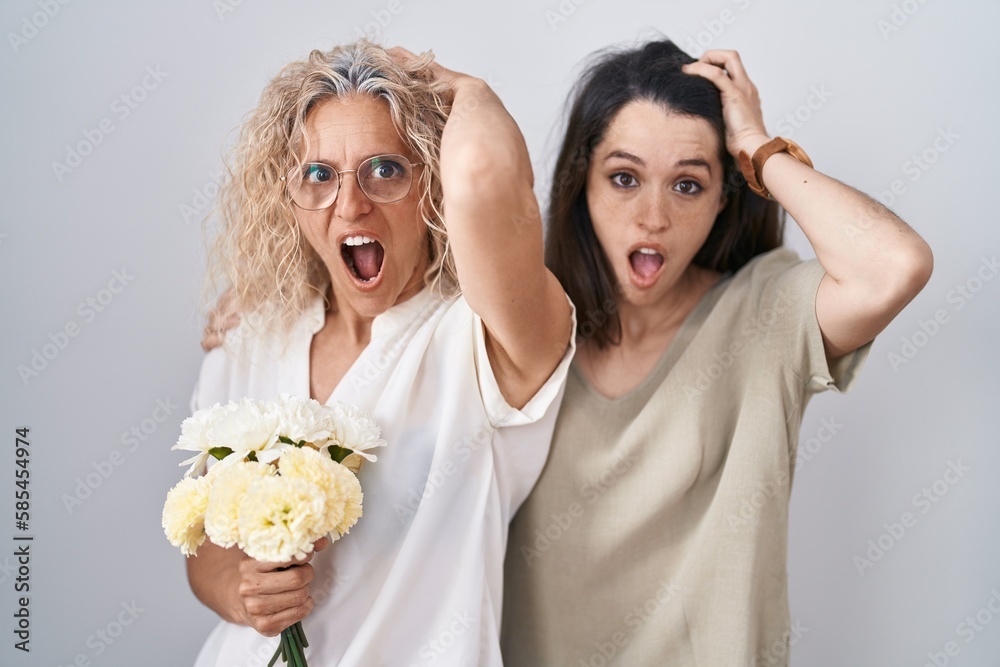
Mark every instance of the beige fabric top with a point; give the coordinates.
(657, 534)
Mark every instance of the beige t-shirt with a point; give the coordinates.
(657, 533)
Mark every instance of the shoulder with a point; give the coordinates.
(252, 354)
(772, 308)
(260, 337)
(768, 266)
(778, 277)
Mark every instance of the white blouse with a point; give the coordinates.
(419, 579)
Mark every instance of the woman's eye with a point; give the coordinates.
(318, 173)
(386, 169)
(623, 180)
(688, 187)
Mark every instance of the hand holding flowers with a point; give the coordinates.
(279, 491)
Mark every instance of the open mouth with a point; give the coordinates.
(646, 265)
(363, 256)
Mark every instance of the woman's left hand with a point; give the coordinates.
(402, 57)
(741, 110)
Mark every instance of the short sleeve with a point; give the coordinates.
(193, 405)
(211, 386)
(786, 314)
(499, 412)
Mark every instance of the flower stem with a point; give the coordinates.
(291, 648)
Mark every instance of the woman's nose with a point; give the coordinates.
(653, 213)
(351, 202)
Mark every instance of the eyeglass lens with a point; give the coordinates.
(383, 179)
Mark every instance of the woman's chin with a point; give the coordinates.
(367, 298)
(643, 291)
(373, 297)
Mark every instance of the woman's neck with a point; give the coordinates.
(640, 323)
(344, 324)
(647, 331)
(353, 328)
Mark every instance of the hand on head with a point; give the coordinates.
(741, 108)
(404, 58)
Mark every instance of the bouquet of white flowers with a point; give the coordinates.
(285, 478)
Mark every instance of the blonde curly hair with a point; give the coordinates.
(260, 262)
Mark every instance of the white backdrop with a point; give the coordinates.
(115, 118)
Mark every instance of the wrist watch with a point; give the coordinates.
(751, 167)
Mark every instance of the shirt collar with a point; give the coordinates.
(392, 320)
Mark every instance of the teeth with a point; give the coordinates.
(648, 251)
(357, 240)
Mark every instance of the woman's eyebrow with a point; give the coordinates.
(687, 162)
(625, 156)
(695, 162)
(330, 162)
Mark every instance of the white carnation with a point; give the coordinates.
(349, 490)
(280, 518)
(195, 437)
(273, 512)
(184, 513)
(244, 427)
(356, 431)
(318, 469)
(304, 419)
(229, 487)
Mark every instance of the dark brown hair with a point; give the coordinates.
(748, 225)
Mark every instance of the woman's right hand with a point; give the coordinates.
(274, 596)
(741, 107)
(222, 318)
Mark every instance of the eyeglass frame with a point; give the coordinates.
(340, 182)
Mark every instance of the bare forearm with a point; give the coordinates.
(479, 119)
(495, 229)
(493, 219)
(213, 576)
(856, 239)
(874, 263)
(485, 167)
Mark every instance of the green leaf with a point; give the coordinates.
(289, 441)
(252, 456)
(220, 452)
(338, 453)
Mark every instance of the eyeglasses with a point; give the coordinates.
(383, 178)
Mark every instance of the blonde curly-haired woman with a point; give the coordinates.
(452, 334)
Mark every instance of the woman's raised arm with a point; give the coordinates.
(495, 231)
(875, 263)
